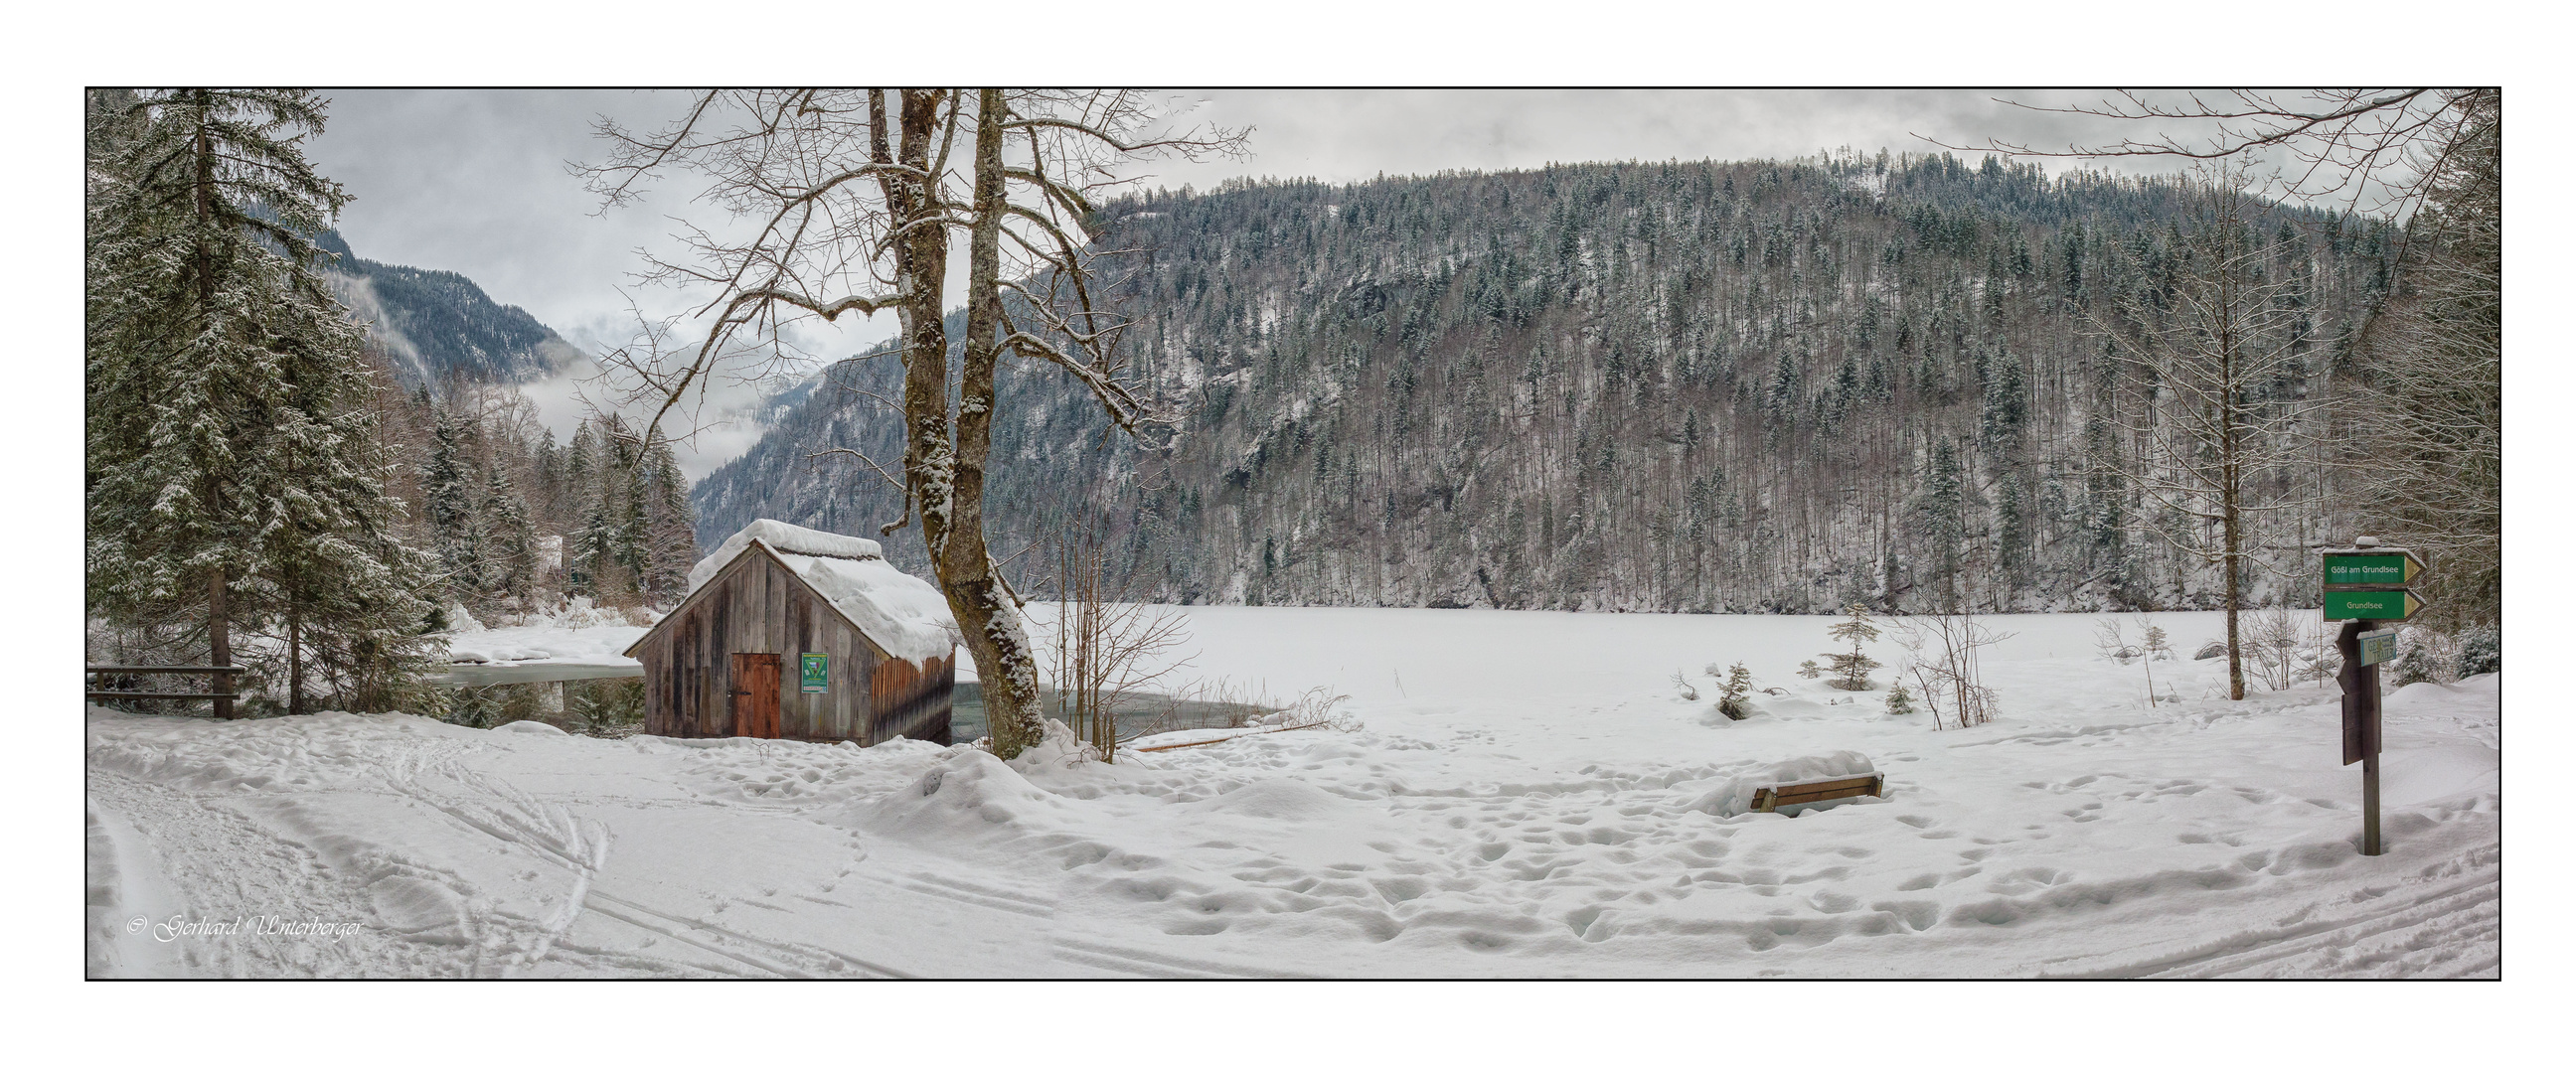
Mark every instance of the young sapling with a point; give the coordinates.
(1732, 692)
(1851, 669)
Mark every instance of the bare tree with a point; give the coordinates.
(2373, 148)
(845, 202)
(2428, 409)
(2433, 391)
(1107, 647)
(2217, 335)
(1944, 657)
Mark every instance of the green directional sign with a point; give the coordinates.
(2390, 568)
(2387, 605)
(817, 668)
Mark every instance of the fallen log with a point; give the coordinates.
(1229, 737)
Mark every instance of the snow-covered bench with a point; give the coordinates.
(1771, 798)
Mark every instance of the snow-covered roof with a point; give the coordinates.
(903, 614)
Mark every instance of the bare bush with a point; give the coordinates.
(1943, 659)
(1106, 647)
(2286, 647)
(1318, 708)
(2111, 639)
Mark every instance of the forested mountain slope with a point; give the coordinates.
(515, 518)
(434, 324)
(1777, 386)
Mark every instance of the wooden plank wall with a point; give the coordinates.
(757, 605)
(839, 713)
(912, 701)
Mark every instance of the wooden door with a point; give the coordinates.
(755, 694)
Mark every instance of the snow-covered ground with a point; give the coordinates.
(575, 634)
(1528, 797)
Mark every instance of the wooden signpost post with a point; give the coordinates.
(2365, 585)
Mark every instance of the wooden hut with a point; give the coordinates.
(793, 633)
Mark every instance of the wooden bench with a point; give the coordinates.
(1770, 798)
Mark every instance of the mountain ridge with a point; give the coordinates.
(434, 323)
(1743, 386)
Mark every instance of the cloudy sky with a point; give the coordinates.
(478, 182)
(475, 181)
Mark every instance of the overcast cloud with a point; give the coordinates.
(476, 181)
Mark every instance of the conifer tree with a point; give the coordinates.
(1733, 689)
(510, 544)
(1851, 669)
(1943, 512)
(670, 536)
(455, 523)
(228, 456)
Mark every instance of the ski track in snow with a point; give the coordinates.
(1588, 832)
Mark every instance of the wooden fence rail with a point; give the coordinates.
(224, 696)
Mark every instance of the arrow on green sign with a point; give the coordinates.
(2388, 605)
(2393, 567)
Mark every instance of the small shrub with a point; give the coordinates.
(2423, 655)
(2481, 651)
(2153, 642)
(1733, 692)
(1808, 669)
(2284, 647)
(1682, 683)
(1899, 702)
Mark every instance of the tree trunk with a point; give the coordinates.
(294, 660)
(944, 466)
(2235, 660)
(219, 629)
(2231, 446)
(218, 623)
(985, 612)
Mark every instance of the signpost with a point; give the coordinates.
(2365, 585)
(816, 668)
